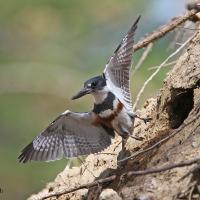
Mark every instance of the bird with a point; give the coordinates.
(74, 134)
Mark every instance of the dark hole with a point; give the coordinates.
(180, 106)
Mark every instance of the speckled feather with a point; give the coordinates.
(75, 134)
(70, 135)
(117, 71)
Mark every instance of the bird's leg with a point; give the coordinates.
(134, 115)
(124, 140)
(124, 133)
(123, 153)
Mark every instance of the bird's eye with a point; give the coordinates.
(93, 84)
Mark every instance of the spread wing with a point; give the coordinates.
(117, 71)
(70, 135)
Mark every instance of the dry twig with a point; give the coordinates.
(194, 169)
(129, 174)
(164, 30)
(166, 65)
(158, 69)
(142, 58)
(157, 144)
(6, 88)
(143, 43)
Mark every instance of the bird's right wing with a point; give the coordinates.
(70, 135)
(117, 70)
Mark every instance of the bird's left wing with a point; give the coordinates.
(70, 135)
(117, 70)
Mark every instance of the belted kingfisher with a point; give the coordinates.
(74, 134)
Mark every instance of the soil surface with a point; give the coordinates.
(177, 107)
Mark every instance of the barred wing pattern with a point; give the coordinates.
(117, 71)
(70, 135)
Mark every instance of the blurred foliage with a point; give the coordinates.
(48, 48)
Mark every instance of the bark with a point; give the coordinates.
(177, 104)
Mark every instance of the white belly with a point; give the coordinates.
(123, 124)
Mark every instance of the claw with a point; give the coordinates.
(145, 120)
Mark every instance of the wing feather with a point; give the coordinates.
(117, 70)
(70, 135)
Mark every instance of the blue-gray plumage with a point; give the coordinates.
(75, 134)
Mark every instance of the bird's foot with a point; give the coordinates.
(145, 120)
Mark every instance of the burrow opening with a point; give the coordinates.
(180, 106)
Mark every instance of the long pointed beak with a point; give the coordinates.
(81, 93)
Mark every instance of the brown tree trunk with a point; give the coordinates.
(176, 107)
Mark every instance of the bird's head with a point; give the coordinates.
(92, 86)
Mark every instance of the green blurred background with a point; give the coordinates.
(47, 49)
